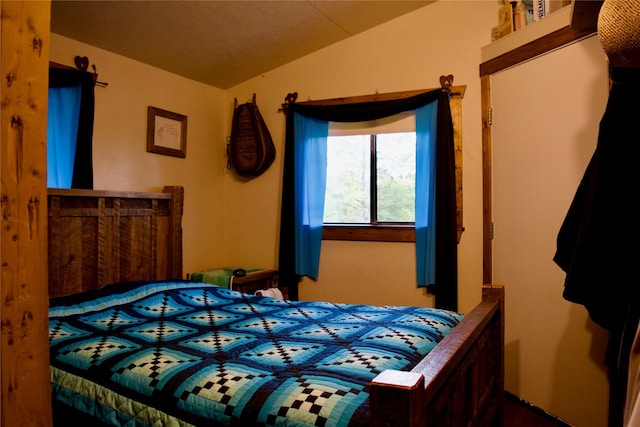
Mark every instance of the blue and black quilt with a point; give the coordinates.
(188, 353)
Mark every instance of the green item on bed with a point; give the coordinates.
(219, 276)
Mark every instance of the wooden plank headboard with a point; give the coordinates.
(101, 237)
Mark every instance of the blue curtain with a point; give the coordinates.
(426, 126)
(310, 151)
(69, 151)
(62, 134)
(304, 180)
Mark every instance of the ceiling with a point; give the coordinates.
(219, 43)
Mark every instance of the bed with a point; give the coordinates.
(123, 251)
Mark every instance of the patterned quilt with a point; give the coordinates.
(188, 353)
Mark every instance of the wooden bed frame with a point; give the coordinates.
(102, 237)
(459, 383)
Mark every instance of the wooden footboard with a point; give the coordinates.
(101, 237)
(460, 383)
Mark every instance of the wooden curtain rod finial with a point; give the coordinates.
(446, 82)
(82, 64)
(289, 99)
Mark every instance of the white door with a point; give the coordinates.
(546, 114)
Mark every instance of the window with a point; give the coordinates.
(371, 179)
(371, 176)
(388, 224)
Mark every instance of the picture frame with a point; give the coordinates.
(166, 132)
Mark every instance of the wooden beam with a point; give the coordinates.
(456, 92)
(584, 14)
(487, 194)
(544, 44)
(24, 347)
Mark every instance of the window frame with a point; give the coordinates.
(389, 232)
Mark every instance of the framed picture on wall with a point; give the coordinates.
(166, 132)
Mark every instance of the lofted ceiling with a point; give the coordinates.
(219, 43)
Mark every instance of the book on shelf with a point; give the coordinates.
(527, 5)
(542, 8)
(505, 20)
(519, 15)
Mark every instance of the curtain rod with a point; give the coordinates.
(82, 64)
(446, 83)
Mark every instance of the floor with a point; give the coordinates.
(522, 414)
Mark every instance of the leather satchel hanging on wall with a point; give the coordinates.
(251, 150)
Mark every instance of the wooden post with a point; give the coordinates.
(487, 185)
(175, 230)
(24, 348)
(397, 399)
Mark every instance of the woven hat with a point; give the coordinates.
(619, 32)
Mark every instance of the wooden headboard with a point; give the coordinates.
(102, 237)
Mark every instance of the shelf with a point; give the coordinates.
(555, 21)
(568, 24)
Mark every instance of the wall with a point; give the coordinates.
(410, 52)
(554, 352)
(121, 161)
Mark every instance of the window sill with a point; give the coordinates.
(370, 233)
